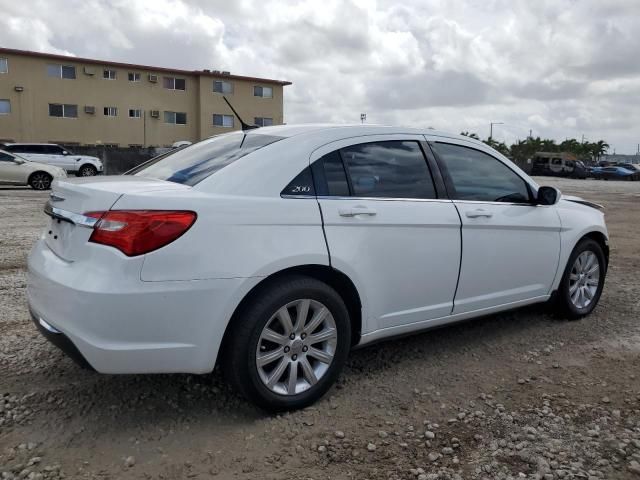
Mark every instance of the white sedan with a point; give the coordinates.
(275, 251)
(15, 170)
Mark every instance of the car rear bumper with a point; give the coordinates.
(60, 340)
(116, 323)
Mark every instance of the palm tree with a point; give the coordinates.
(470, 135)
(599, 149)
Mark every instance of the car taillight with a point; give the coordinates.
(135, 232)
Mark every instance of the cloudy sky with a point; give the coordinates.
(563, 68)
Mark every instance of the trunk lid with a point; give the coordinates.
(69, 230)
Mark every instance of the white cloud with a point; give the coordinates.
(560, 67)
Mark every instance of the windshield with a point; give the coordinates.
(194, 163)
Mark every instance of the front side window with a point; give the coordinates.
(109, 74)
(63, 110)
(223, 120)
(478, 176)
(4, 65)
(110, 111)
(196, 162)
(393, 169)
(220, 86)
(5, 107)
(177, 118)
(264, 92)
(5, 157)
(263, 121)
(172, 83)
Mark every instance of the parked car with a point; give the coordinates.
(633, 167)
(558, 166)
(15, 170)
(275, 251)
(51, 154)
(614, 173)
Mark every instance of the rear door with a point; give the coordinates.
(389, 228)
(510, 246)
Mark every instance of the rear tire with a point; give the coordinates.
(286, 368)
(40, 181)
(583, 280)
(87, 171)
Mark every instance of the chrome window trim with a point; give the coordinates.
(71, 217)
(378, 199)
(522, 204)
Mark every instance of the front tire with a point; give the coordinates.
(289, 343)
(40, 181)
(582, 281)
(87, 171)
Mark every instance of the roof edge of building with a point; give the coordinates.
(93, 61)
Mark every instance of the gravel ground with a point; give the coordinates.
(517, 395)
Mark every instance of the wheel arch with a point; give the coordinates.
(86, 164)
(599, 238)
(30, 177)
(340, 282)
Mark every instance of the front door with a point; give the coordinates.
(10, 171)
(510, 246)
(387, 229)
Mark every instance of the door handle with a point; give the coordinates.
(357, 210)
(478, 213)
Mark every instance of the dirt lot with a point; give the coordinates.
(518, 395)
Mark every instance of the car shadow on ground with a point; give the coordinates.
(156, 401)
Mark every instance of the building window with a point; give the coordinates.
(134, 77)
(61, 71)
(263, 121)
(222, 87)
(223, 120)
(179, 118)
(110, 111)
(109, 74)
(172, 83)
(4, 65)
(63, 110)
(135, 113)
(264, 92)
(5, 107)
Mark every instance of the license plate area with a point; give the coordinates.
(58, 236)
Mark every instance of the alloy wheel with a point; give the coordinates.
(584, 279)
(296, 347)
(87, 172)
(40, 181)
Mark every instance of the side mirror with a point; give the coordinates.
(18, 161)
(548, 196)
(64, 152)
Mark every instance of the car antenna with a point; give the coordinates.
(245, 126)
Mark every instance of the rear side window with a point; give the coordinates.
(192, 164)
(478, 176)
(392, 169)
(301, 185)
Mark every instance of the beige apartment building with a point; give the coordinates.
(70, 100)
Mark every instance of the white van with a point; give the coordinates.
(52, 154)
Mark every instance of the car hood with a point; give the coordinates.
(582, 201)
(53, 170)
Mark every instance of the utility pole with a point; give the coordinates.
(583, 138)
(363, 117)
(491, 128)
(530, 133)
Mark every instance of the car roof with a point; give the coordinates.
(347, 130)
(7, 144)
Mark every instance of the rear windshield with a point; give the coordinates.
(196, 162)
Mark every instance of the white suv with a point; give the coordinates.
(52, 154)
